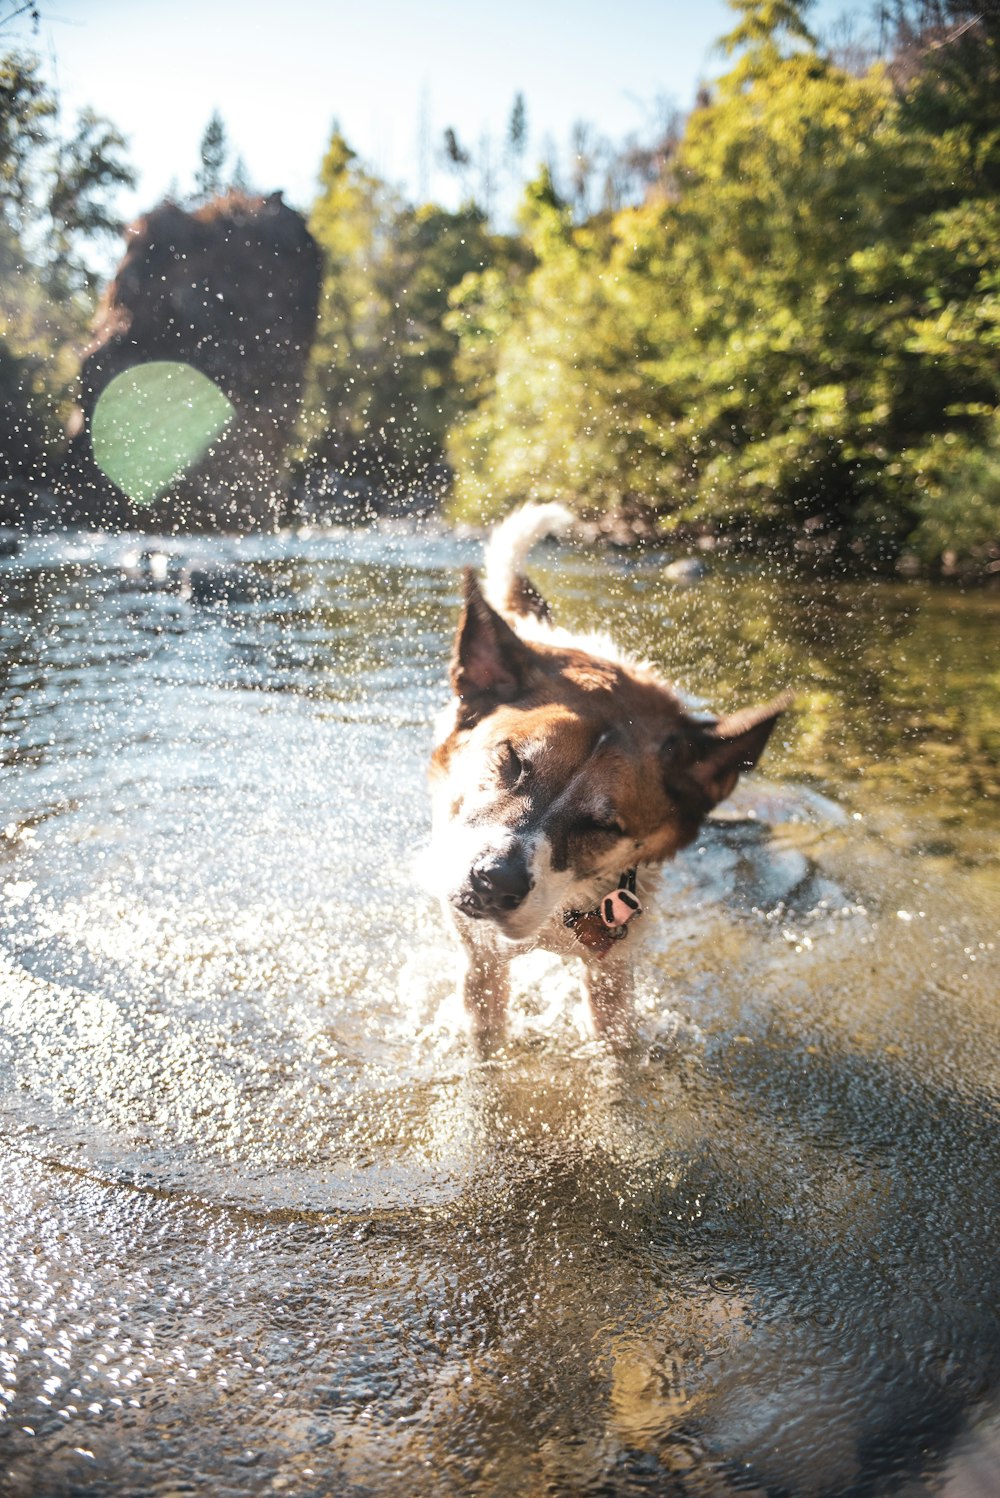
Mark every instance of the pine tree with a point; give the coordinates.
(763, 34)
(241, 177)
(517, 134)
(213, 151)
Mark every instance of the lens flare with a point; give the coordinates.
(152, 423)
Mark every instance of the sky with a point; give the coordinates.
(393, 74)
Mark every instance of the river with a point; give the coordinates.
(269, 1226)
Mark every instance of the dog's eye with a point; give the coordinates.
(514, 770)
(598, 827)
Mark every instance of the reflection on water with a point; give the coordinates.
(270, 1228)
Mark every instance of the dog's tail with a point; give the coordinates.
(506, 586)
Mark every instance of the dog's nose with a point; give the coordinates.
(502, 883)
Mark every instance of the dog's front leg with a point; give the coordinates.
(610, 994)
(485, 991)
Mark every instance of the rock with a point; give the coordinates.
(233, 290)
(153, 572)
(225, 586)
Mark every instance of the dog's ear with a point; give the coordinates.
(489, 664)
(713, 754)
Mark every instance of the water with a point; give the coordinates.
(269, 1227)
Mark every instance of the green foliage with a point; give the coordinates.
(958, 485)
(793, 337)
(784, 183)
(554, 357)
(26, 107)
(381, 394)
(88, 168)
(56, 201)
(764, 26)
(798, 337)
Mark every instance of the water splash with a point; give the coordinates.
(272, 1223)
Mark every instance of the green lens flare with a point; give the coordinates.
(152, 422)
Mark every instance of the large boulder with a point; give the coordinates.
(233, 290)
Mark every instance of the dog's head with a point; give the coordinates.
(559, 769)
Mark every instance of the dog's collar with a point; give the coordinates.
(598, 929)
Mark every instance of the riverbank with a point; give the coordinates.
(812, 551)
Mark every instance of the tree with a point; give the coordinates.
(89, 168)
(56, 200)
(796, 335)
(455, 154)
(553, 354)
(793, 170)
(765, 32)
(382, 393)
(946, 66)
(241, 182)
(213, 150)
(517, 128)
(455, 158)
(26, 111)
(517, 138)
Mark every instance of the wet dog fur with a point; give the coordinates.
(559, 763)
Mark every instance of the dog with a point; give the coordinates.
(564, 773)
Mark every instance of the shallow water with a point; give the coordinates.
(269, 1227)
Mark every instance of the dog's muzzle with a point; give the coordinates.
(496, 886)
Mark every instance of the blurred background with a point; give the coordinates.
(728, 275)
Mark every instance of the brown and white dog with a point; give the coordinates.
(564, 774)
